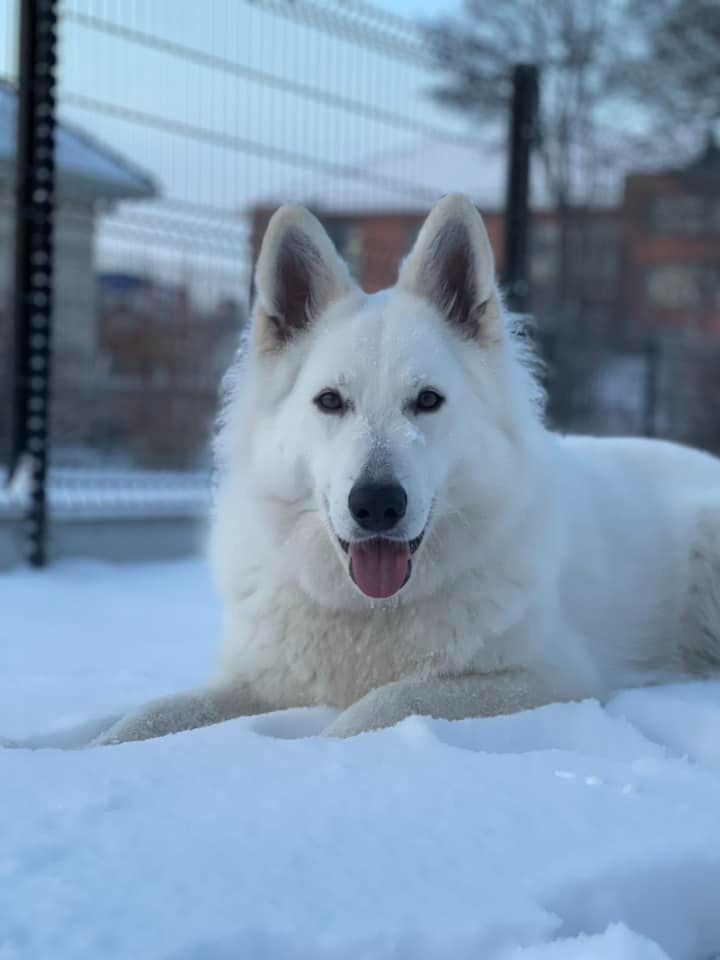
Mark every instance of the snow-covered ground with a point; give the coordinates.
(569, 833)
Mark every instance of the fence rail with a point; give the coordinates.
(182, 126)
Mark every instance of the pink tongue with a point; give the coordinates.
(380, 567)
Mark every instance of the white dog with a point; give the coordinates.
(397, 532)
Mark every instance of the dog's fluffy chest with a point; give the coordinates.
(291, 646)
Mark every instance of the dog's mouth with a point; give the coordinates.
(380, 567)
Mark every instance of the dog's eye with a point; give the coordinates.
(329, 401)
(428, 400)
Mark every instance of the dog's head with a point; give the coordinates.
(385, 430)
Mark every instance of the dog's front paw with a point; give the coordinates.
(133, 727)
(382, 707)
(156, 719)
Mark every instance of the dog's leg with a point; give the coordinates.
(68, 738)
(184, 711)
(449, 698)
(700, 630)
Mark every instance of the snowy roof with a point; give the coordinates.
(412, 177)
(85, 167)
(404, 179)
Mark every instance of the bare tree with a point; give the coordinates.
(615, 75)
(673, 69)
(623, 83)
(622, 80)
(577, 46)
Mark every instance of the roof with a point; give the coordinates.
(410, 178)
(85, 167)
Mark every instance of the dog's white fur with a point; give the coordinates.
(552, 567)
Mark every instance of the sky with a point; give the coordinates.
(230, 103)
(216, 140)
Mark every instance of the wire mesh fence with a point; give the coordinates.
(175, 127)
(657, 386)
(183, 126)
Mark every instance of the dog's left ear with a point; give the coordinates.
(452, 266)
(298, 275)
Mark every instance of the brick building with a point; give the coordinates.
(374, 220)
(671, 245)
(650, 257)
(90, 179)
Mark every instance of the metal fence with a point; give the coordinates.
(181, 127)
(662, 385)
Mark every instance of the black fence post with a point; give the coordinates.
(35, 186)
(523, 133)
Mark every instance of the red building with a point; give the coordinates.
(651, 259)
(671, 245)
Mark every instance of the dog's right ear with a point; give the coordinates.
(451, 266)
(298, 275)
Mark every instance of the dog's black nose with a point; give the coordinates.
(377, 506)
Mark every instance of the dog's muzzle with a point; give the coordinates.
(379, 566)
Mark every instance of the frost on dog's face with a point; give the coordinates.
(376, 402)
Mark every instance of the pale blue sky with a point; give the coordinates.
(106, 79)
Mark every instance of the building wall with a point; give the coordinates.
(74, 328)
(671, 242)
(652, 262)
(590, 279)
(75, 282)
(374, 244)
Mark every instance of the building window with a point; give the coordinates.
(680, 286)
(686, 214)
(592, 252)
(544, 252)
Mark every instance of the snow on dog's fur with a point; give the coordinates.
(395, 529)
